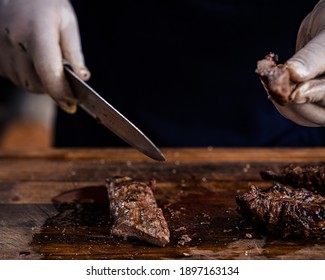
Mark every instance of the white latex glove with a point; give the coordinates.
(35, 36)
(307, 101)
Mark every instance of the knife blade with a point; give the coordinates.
(96, 106)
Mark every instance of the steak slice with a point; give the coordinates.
(282, 210)
(275, 78)
(135, 212)
(310, 177)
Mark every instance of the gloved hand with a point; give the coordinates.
(35, 37)
(306, 67)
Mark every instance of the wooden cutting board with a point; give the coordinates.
(53, 204)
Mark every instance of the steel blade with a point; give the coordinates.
(107, 115)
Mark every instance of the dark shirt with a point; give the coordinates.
(183, 71)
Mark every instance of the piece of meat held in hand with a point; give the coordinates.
(282, 210)
(135, 212)
(310, 177)
(275, 79)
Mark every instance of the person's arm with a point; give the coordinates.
(35, 37)
(306, 67)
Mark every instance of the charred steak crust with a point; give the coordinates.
(275, 78)
(135, 212)
(282, 210)
(310, 177)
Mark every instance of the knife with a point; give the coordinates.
(96, 106)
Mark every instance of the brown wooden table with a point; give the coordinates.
(53, 204)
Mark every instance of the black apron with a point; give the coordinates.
(183, 71)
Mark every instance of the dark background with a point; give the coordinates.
(183, 71)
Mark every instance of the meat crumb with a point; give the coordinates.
(180, 229)
(249, 235)
(184, 239)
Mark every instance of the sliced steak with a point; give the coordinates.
(275, 78)
(310, 177)
(135, 212)
(285, 211)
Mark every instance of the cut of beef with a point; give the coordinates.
(284, 211)
(135, 212)
(275, 78)
(310, 177)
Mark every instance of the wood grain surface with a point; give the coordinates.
(54, 205)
